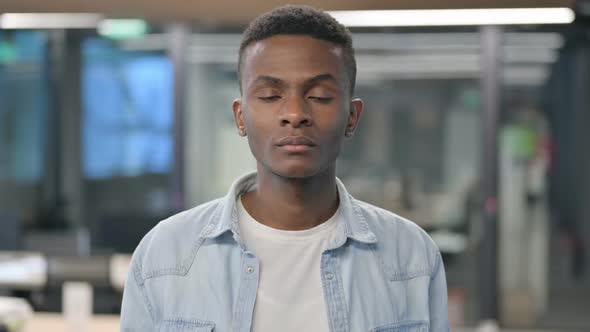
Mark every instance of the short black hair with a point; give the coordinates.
(300, 20)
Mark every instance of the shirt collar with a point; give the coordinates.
(353, 225)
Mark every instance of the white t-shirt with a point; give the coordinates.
(290, 295)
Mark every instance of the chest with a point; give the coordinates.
(222, 289)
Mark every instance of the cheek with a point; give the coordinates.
(258, 134)
(334, 137)
(336, 125)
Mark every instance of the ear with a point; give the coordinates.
(239, 115)
(354, 116)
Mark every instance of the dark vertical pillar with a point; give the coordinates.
(581, 129)
(70, 117)
(62, 181)
(490, 87)
(51, 181)
(178, 35)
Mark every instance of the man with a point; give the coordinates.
(288, 249)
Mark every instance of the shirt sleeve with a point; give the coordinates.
(136, 310)
(438, 300)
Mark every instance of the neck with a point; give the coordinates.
(292, 204)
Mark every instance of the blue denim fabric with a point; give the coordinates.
(192, 272)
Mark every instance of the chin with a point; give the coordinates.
(295, 170)
(295, 173)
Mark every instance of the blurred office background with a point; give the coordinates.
(115, 119)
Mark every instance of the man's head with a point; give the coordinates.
(296, 75)
(300, 20)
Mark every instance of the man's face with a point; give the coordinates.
(295, 105)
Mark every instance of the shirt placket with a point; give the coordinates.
(244, 308)
(334, 293)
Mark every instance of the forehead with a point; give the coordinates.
(291, 57)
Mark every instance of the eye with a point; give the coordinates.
(269, 98)
(321, 99)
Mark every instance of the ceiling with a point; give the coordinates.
(222, 12)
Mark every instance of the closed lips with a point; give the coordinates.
(296, 140)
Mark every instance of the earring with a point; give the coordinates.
(348, 133)
(242, 132)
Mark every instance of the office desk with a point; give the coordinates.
(54, 322)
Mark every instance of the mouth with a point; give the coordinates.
(296, 143)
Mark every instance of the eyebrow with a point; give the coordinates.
(320, 78)
(265, 79)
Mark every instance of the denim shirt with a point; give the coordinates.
(192, 272)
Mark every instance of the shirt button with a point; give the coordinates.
(249, 269)
(329, 275)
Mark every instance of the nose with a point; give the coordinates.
(295, 112)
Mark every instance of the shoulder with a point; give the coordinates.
(171, 245)
(401, 243)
